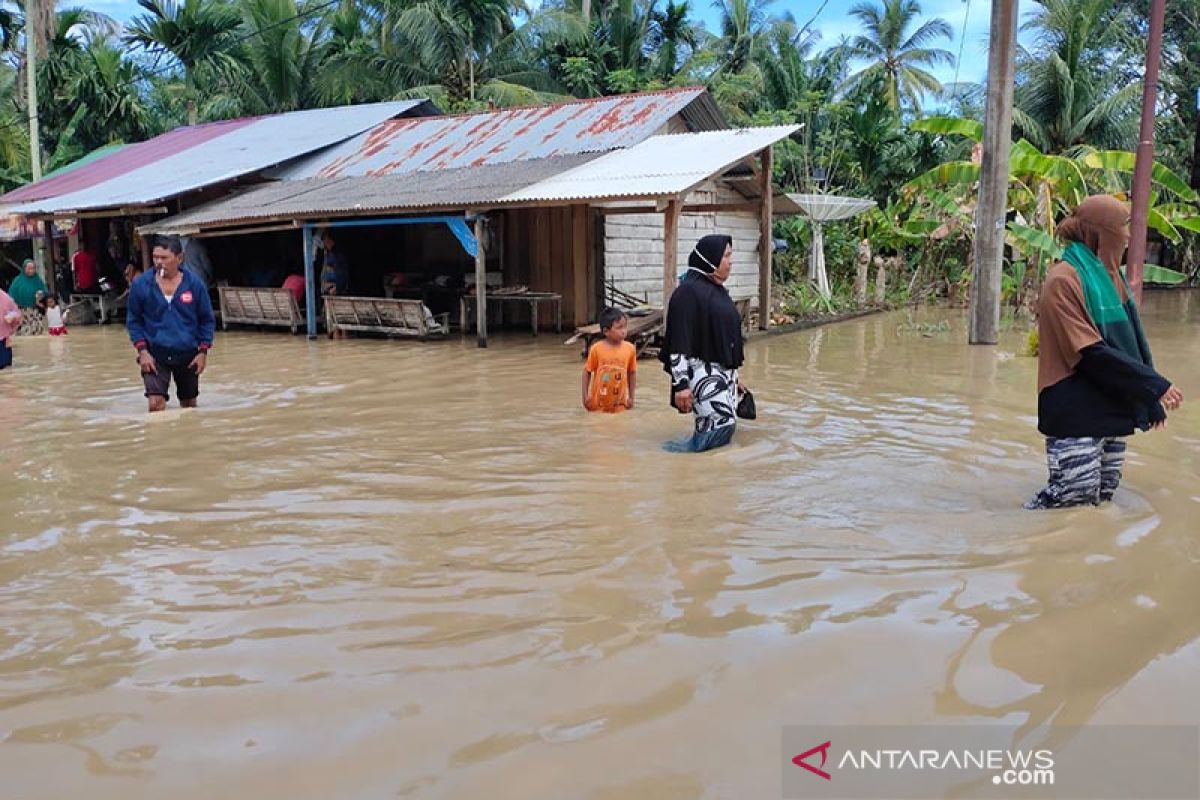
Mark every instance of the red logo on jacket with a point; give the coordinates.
(186, 297)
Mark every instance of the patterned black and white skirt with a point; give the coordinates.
(714, 402)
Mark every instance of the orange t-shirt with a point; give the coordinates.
(610, 368)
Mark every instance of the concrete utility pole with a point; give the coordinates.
(993, 175)
(1145, 151)
(35, 153)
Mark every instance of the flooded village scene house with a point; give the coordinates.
(640, 400)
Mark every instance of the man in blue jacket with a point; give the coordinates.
(170, 321)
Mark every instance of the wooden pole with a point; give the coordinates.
(670, 248)
(310, 282)
(147, 253)
(579, 264)
(766, 241)
(993, 183)
(50, 277)
(1145, 152)
(480, 282)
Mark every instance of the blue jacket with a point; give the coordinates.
(184, 326)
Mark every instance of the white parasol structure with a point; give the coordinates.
(822, 208)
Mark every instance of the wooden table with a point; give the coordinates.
(532, 298)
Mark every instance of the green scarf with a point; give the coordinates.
(1118, 322)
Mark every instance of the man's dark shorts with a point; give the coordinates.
(172, 366)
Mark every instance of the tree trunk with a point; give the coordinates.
(190, 87)
(587, 11)
(880, 280)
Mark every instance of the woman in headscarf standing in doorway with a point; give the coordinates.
(703, 345)
(1096, 378)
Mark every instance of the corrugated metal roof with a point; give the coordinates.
(121, 162)
(515, 134)
(192, 158)
(659, 166)
(313, 198)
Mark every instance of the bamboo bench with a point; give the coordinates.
(393, 317)
(251, 306)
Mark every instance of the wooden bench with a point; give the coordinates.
(251, 306)
(394, 317)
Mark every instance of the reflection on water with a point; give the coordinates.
(386, 569)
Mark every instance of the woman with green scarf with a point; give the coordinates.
(1096, 378)
(27, 290)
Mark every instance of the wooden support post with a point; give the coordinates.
(670, 248)
(480, 282)
(147, 254)
(50, 277)
(579, 264)
(766, 241)
(310, 283)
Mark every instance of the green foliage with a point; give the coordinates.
(182, 60)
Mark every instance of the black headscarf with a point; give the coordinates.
(709, 252)
(702, 321)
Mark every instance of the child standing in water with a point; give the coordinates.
(610, 375)
(55, 319)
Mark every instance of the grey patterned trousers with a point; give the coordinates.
(1083, 471)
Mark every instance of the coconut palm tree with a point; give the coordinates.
(277, 70)
(105, 84)
(744, 27)
(196, 33)
(444, 41)
(896, 56)
(787, 65)
(1071, 91)
(671, 35)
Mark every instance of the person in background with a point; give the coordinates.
(610, 375)
(29, 292)
(335, 264)
(1096, 378)
(56, 322)
(196, 261)
(63, 280)
(296, 284)
(25, 287)
(10, 318)
(171, 324)
(87, 276)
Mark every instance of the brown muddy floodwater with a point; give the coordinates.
(380, 569)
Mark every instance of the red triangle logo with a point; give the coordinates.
(823, 749)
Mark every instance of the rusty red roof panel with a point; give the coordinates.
(403, 146)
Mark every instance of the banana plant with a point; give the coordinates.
(1042, 187)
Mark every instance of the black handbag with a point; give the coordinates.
(745, 406)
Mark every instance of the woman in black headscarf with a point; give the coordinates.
(703, 346)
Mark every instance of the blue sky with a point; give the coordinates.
(833, 23)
